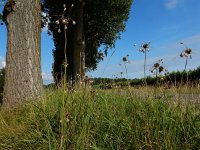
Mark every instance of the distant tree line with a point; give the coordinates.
(176, 78)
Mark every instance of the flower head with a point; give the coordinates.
(124, 59)
(65, 21)
(158, 67)
(145, 47)
(186, 53)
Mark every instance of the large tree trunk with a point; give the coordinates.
(79, 44)
(23, 80)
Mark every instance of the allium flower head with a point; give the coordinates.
(65, 21)
(186, 53)
(124, 59)
(145, 47)
(158, 67)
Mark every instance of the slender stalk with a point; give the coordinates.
(65, 63)
(64, 88)
(186, 63)
(145, 59)
(126, 70)
(156, 76)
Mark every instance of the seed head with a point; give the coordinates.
(65, 21)
(156, 65)
(188, 51)
(144, 47)
(124, 59)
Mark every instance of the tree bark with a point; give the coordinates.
(23, 79)
(79, 44)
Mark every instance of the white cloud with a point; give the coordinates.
(170, 4)
(2, 62)
(45, 28)
(47, 78)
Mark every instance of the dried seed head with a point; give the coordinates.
(156, 65)
(64, 5)
(124, 59)
(145, 46)
(188, 51)
(65, 21)
(72, 5)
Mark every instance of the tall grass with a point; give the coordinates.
(110, 119)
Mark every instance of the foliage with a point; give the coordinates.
(103, 21)
(100, 120)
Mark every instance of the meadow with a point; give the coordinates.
(124, 118)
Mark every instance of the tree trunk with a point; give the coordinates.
(79, 44)
(23, 80)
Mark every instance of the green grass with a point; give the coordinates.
(100, 120)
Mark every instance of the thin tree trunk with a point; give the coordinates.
(23, 80)
(78, 60)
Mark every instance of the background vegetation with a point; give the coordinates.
(177, 78)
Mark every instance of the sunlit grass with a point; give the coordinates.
(102, 119)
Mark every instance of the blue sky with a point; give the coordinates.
(165, 23)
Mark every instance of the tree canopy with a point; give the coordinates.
(103, 21)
